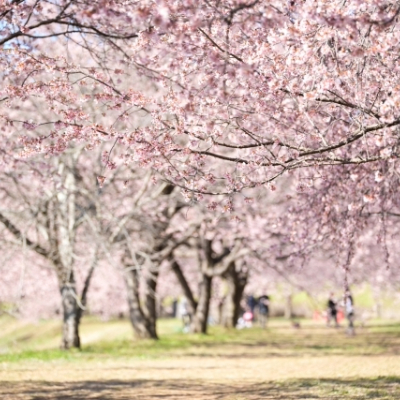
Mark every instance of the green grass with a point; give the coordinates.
(24, 341)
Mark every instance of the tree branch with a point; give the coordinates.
(20, 236)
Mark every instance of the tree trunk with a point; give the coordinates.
(86, 286)
(61, 228)
(289, 307)
(192, 303)
(200, 318)
(150, 310)
(377, 296)
(236, 282)
(142, 326)
(70, 335)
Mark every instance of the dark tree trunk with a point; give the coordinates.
(144, 327)
(199, 310)
(150, 310)
(187, 291)
(85, 289)
(200, 318)
(70, 335)
(236, 282)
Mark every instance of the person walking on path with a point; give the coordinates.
(332, 311)
(349, 308)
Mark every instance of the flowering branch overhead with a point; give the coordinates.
(215, 96)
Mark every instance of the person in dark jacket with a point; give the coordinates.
(332, 311)
(251, 303)
(263, 310)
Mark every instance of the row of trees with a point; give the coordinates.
(133, 222)
(148, 235)
(156, 133)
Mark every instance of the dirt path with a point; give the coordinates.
(221, 369)
(197, 378)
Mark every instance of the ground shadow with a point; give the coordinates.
(302, 344)
(317, 389)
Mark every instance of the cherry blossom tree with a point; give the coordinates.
(46, 219)
(144, 233)
(216, 98)
(264, 87)
(215, 250)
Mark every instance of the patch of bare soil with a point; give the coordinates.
(127, 390)
(180, 389)
(201, 378)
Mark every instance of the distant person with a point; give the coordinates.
(263, 310)
(185, 315)
(251, 303)
(332, 311)
(349, 309)
(246, 320)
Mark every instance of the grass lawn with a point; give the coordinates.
(312, 362)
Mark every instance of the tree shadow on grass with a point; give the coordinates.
(303, 344)
(314, 389)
